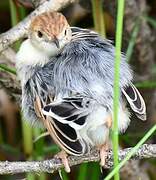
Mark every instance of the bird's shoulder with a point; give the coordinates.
(89, 45)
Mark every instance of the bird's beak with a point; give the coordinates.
(56, 41)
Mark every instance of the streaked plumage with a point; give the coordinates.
(75, 88)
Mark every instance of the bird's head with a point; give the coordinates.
(50, 32)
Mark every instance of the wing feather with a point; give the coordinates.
(79, 33)
(77, 147)
(66, 118)
(135, 101)
(67, 131)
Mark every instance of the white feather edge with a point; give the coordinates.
(62, 120)
(143, 106)
(64, 145)
(67, 148)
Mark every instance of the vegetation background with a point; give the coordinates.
(139, 45)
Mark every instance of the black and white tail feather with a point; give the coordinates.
(68, 116)
(135, 101)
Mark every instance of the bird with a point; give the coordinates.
(67, 79)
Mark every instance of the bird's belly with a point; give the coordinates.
(99, 136)
(96, 132)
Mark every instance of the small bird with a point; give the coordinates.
(67, 78)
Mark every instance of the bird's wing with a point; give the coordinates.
(135, 101)
(66, 117)
(80, 33)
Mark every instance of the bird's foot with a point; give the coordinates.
(103, 153)
(63, 156)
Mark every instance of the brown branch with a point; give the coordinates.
(8, 81)
(49, 166)
(38, 2)
(20, 30)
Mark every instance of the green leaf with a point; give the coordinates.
(8, 69)
(120, 13)
(151, 20)
(83, 171)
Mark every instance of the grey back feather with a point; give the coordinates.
(85, 68)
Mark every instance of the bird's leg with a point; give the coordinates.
(104, 147)
(63, 156)
(109, 122)
(103, 153)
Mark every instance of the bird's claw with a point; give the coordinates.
(63, 156)
(103, 154)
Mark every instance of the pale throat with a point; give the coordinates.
(30, 55)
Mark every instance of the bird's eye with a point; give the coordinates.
(65, 32)
(39, 33)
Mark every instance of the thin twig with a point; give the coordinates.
(49, 166)
(20, 30)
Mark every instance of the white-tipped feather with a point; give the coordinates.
(139, 110)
